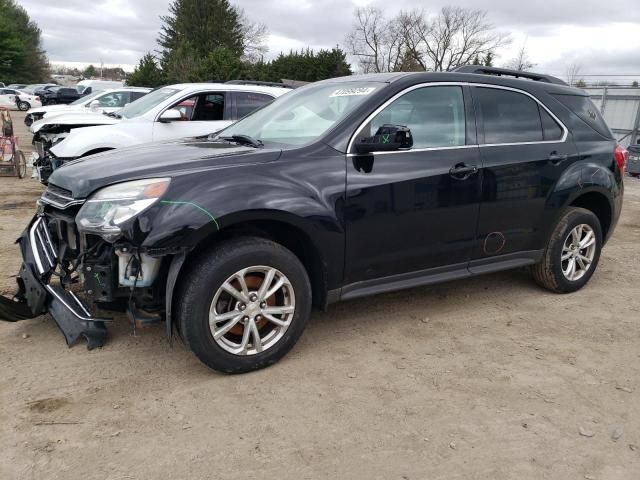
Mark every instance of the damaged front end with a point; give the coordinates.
(44, 139)
(76, 259)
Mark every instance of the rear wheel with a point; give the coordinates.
(244, 305)
(23, 106)
(572, 253)
(21, 164)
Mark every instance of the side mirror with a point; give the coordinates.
(94, 105)
(170, 115)
(388, 138)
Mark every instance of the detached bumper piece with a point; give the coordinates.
(36, 296)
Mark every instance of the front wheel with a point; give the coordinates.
(23, 106)
(244, 304)
(572, 253)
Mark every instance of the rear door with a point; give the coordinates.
(202, 114)
(524, 150)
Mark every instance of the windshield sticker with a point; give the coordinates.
(351, 92)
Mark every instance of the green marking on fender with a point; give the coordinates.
(385, 138)
(207, 213)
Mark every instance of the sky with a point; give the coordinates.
(602, 36)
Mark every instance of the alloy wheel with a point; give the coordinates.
(252, 310)
(578, 251)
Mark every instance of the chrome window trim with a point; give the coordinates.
(565, 131)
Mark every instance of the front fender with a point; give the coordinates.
(305, 195)
(83, 140)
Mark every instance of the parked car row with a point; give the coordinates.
(176, 111)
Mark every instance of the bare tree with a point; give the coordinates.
(375, 41)
(522, 61)
(573, 72)
(254, 36)
(453, 37)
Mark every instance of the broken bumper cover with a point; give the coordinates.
(36, 296)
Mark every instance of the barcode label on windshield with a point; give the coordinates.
(350, 92)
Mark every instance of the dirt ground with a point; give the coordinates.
(490, 378)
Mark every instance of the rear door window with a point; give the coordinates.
(584, 108)
(508, 117)
(136, 95)
(247, 102)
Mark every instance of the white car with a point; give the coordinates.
(23, 101)
(168, 113)
(97, 102)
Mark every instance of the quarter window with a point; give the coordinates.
(508, 117)
(550, 128)
(435, 116)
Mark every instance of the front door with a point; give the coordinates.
(416, 209)
(202, 114)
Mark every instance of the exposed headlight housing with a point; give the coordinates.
(108, 208)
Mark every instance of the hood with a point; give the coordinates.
(70, 110)
(159, 159)
(75, 119)
(51, 108)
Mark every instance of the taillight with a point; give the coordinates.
(37, 99)
(622, 155)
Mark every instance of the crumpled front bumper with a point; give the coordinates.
(36, 295)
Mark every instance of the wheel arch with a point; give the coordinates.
(598, 203)
(290, 234)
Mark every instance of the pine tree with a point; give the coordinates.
(90, 72)
(200, 26)
(147, 73)
(488, 60)
(22, 58)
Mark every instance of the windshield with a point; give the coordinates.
(146, 103)
(82, 100)
(302, 116)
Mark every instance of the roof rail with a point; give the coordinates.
(257, 82)
(500, 72)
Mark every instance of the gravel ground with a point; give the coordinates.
(490, 378)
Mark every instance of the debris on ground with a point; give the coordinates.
(586, 432)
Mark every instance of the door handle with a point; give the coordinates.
(557, 159)
(462, 171)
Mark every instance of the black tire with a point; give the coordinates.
(548, 272)
(21, 164)
(23, 106)
(28, 120)
(204, 277)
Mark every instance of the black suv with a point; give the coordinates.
(343, 188)
(59, 95)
